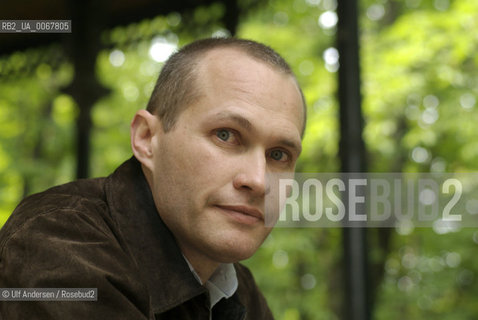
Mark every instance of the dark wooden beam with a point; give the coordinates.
(352, 151)
(83, 48)
(116, 13)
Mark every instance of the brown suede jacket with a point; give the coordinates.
(106, 233)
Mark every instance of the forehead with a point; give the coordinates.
(231, 73)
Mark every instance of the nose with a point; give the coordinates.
(251, 175)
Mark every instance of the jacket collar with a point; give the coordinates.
(158, 257)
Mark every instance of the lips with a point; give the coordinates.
(242, 214)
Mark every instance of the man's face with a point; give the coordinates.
(208, 177)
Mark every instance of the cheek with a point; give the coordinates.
(192, 168)
(204, 161)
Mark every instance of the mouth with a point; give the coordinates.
(242, 214)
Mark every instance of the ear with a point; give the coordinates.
(144, 128)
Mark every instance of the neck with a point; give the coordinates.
(203, 266)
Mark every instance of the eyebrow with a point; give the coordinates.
(237, 118)
(247, 125)
(293, 145)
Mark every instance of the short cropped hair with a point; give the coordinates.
(176, 86)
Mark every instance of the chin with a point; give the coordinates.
(233, 257)
(236, 251)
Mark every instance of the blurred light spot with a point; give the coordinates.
(453, 259)
(412, 112)
(430, 116)
(405, 283)
(392, 266)
(161, 49)
(404, 227)
(117, 58)
(409, 260)
(443, 227)
(431, 101)
(64, 110)
(281, 18)
(465, 277)
(313, 2)
(331, 55)
(221, 33)
(438, 165)
(308, 281)
(420, 155)
(472, 206)
(375, 12)
(332, 68)
(388, 128)
(130, 92)
(306, 67)
(427, 197)
(174, 19)
(328, 20)
(331, 58)
(467, 101)
(441, 5)
(44, 71)
(280, 259)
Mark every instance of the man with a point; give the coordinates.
(161, 237)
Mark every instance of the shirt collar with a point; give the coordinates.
(222, 284)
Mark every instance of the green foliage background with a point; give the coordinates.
(419, 86)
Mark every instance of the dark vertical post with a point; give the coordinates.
(352, 152)
(231, 16)
(83, 46)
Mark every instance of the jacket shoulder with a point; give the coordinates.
(83, 197)
(65, 237)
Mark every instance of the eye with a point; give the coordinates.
(279, 155)
(228, 136)
(223, 134)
